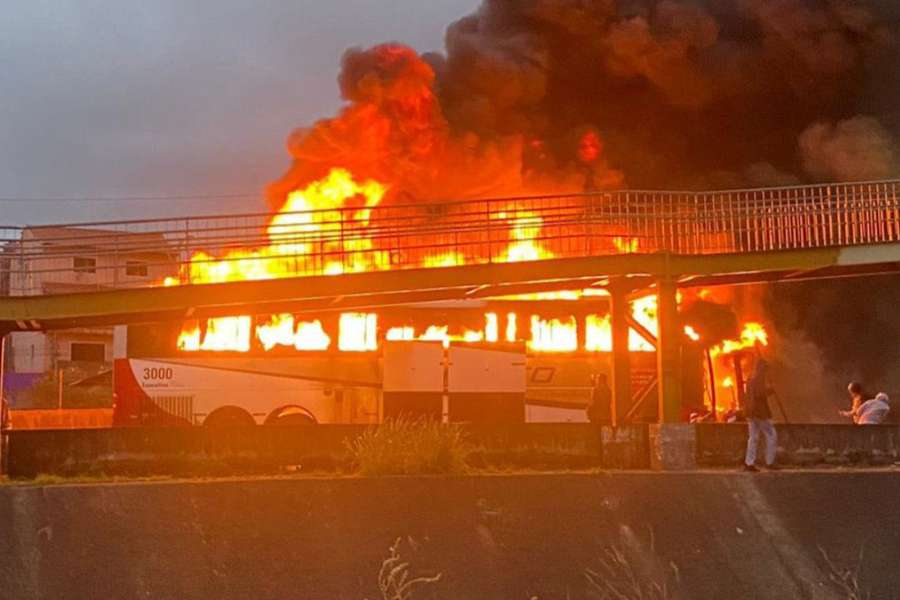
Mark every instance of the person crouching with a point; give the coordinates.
(872, 412)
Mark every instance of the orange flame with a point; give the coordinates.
(448, 259)
(222, 334)
(511, 326)
(358, 332)
(280, 330)
(308, 236)
(310, 214)
(598, 334)
(311, 336)
(626, 245)
(554, 335)
(753, 334)
(441, 333)
(491, 327)
(400, 334)
(644, 311)
(526, 228)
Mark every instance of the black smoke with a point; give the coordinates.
(854, 322)
(531, 95)
(700, 95)
(684, 94)
(667, 94)
(712, 321)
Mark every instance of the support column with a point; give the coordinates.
(668, 352)
(621, 358)
(3, 336)
(672, 443)
(739, 380)
(4, 406)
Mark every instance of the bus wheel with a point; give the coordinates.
(229, 416)
(290, 416)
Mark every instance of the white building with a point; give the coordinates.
(61, 260)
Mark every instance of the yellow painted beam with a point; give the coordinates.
(414, 285)
(389, 287)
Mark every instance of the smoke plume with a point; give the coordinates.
(567, 95)
(668, 94)
(857, 148)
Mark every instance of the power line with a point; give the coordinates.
(179, 197)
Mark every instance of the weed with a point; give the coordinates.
(394, 581)
(409, 447)
(845, 580)
(615, 578)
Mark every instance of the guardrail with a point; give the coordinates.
(113, 254)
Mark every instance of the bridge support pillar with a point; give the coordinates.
(672, 442)
(621, 357)
(668, 352)
(4, 406)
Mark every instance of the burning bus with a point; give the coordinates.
(488, 361)
(510, 359)
(505, 360)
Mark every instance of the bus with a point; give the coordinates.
(453, 379)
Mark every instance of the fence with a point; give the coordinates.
(45, 259)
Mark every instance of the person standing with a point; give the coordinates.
(759, 417)
(599, 411)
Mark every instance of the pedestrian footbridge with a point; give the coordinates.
(87, 274)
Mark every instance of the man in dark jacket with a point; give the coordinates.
(599, 410)
(759, 417)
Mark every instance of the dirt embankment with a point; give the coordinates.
(728, 535)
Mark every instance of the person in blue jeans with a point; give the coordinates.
(759, 417)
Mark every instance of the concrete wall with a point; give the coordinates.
(804, 445)
(730, 535)
(30, 352)
(267, 450)
(198, 450)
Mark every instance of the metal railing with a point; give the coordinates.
(82, 256)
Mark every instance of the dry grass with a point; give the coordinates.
(846, 581)
(616, 578)
(394, 580)
(409, 447)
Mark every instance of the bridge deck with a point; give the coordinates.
(395, 254)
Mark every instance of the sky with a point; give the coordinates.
(115, 98)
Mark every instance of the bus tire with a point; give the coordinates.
(229, 416)
(290, 416)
